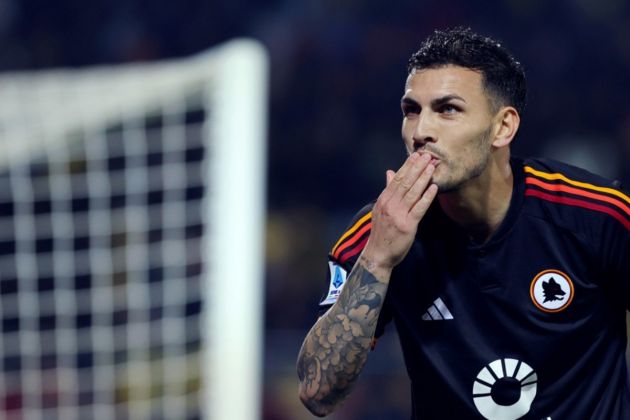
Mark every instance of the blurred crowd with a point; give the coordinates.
(337, 73)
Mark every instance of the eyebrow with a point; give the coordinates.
(437, 102)
(445, 99)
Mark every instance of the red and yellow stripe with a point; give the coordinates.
(557, 188)
(353, 240)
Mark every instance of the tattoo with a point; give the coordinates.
(336, 349)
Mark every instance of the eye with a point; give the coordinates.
(449, 109)
(410, 109)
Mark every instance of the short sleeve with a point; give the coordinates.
(344, 254)
(615, 246)
(341, 260)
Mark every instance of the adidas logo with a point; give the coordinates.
(437, 312)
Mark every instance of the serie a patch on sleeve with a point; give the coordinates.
(337, 280)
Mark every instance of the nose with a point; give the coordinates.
(424, 131)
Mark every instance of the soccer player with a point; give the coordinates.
(507, 279)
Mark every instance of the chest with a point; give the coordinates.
(539, 282)
(535, 310)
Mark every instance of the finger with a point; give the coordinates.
(418, 187)
(402, 180)
(415, 165)
(388, 191)
(389, 176)
(395, 179)
(420, 208)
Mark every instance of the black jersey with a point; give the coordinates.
(531, 324)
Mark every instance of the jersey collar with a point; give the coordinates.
(444, 224)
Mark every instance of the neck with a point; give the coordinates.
(482, 203)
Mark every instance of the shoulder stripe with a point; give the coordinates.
(354, 251)
(353, 240)
(577, 191)
(556, 176)
(354, 228)
(579, 203)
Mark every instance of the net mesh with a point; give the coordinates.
(100, 250)
(105, 185)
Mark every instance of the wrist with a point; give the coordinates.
(379, 268)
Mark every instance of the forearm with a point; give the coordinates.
(336, 348)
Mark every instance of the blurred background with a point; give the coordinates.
(337, 73)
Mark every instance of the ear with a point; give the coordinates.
(506, 123)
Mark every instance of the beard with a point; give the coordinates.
(457, 173)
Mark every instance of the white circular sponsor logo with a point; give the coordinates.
(505, 389)
(551, 291)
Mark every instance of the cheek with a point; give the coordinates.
(407, 136)
(472, 144)
(405, 130)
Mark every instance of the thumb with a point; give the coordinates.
(389, 175)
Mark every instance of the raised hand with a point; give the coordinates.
(397, 212)
(336, 348)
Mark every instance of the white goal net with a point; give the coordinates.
(131, 239)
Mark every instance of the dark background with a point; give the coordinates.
(337, 73)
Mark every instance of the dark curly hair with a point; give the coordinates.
(503, 76)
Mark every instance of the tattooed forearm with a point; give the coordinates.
(335, 350)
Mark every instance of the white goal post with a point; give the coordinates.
(132, 212)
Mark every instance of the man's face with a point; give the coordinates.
(448, 115)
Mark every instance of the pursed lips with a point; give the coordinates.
(435, 161)
(435, 158)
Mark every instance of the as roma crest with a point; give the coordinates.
(551, 291)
